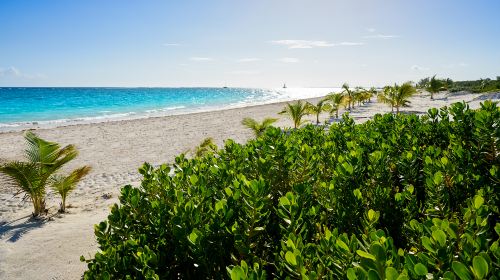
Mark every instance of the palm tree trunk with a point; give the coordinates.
(397, 109)
(317, 118)
(63, 204)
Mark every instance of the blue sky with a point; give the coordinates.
(258, 43)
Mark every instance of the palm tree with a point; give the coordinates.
(336, 100)
(258, 128)
(397, 96)
(349, 95)
(320, 107)
(206, 146)
(434, 86)
(387, 96)
(31, 177)
(66, 184)
(296, 112)
(402, 95)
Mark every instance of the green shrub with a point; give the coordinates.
(398, 197)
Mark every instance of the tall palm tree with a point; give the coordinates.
(296, 111)
(258, 128)
(320, 107)
(434, 86)
(43, 160)
(336, 100)
(349, 95)
(66, 184)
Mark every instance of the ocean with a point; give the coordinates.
(27, 107)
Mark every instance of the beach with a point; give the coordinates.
(115, 150)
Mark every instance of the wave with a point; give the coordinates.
(254, 97)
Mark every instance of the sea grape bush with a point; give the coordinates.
(397, 197)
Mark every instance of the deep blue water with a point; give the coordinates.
(21, 106)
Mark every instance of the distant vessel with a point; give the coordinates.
(224, 87)
(284, 85)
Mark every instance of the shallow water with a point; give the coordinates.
(58, 106)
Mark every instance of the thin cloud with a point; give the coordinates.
(248, 59)
(381, 36)
(302, 44)
(306, 44)
(349, 44)
(245, 72)
(171, 44)
(419, 68)
(289, 60)
(196, 58)
(10, 72)
(371, 29)
(13, 72)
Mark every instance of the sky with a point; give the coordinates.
(238, 43)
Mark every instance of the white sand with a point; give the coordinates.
(115, 150)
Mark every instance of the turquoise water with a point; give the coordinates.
(21, 106)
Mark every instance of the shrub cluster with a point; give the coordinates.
(397, 197)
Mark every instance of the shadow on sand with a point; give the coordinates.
(14, 230)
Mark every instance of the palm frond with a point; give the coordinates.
(24, 176)
(65, 184)
(206, 146)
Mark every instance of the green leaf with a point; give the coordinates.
(284, 201)
(480, 266)
(193, 237)
(444, 160)
(420, 269)
(371, 215)
(373, 275)
(478, 201)
(351, 274)
(366, 255)
(440, 237)
(194, 179)
(428, 160)
(348, 168)
(426, 242)
(461, 271)
(237, 273)
(438, 178)
(342, 245)
(391, 273)
(357, 194)
(291, 258)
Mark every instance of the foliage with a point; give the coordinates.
(296, 111)
(336, 100)
(348, 95)
(320, 107)
(397, 96)
(206, 146)
(482, 85)
(256, 127)
(397, 197)
(435, 85)
(66, 184)
(43, 160)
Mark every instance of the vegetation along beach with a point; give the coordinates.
(302, 143)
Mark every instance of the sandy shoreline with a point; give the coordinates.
(115, 150)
